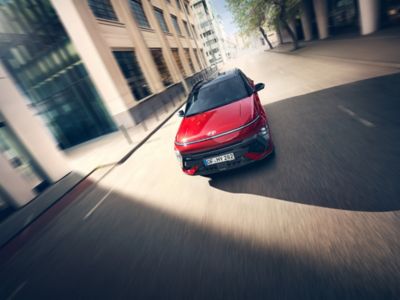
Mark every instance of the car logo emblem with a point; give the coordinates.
(211, 133)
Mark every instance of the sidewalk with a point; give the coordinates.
(112, 147)
(90, 162)
(381, 48)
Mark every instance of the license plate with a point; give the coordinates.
(219, 159)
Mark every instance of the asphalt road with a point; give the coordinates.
(319, 220)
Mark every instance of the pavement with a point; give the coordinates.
(380, 48)
(319, 220)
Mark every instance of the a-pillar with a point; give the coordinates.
(306, 19)
(369, 15)
(321, 13)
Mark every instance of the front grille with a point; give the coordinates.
(254, 144)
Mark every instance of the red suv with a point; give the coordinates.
(224, 125)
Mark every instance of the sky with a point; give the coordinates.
(226, 16)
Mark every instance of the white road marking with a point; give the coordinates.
(98, 204)
(347, 111)
(17, 290)
(366, 122)
(354, 116)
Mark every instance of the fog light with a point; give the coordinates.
(264, 132)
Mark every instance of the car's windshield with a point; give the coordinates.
(218, 92)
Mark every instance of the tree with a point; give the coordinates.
(253, 14)
(250, 16)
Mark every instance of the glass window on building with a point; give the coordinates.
(133, 73)
(18, 158)
(178, 4)
(189, 34)
(161, 66)
(103, 9)
(44, 64)
(187, 9)
(189, 59)
(176, 25)
(161, 19)
(178, 61)
(140, 16)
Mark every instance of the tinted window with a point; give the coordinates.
(218, 92)
(103, 9)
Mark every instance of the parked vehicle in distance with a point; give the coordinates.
(224, 125)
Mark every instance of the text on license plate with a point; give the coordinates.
(219, 159)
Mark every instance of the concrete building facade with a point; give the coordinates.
(73, 70)
(142, 49)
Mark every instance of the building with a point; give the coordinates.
(320, 19)
(29, 158)
(211, 32)
(73, 70)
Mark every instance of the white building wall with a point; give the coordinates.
(201, 17)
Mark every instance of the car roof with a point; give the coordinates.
(221, 77)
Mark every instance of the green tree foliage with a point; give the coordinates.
(252, 15)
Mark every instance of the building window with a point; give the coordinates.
(178, 4)
(189, 59)
(178, 61)
(45, 65)
(176, 25)
(161, 19)
(189, 34)
(103, 9)
(161, 66)
(133, 73)
(187, 9)
(139, 14)
(19, 159)
(208, 33)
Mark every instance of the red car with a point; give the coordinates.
(224, 125)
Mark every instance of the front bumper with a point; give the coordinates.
(245, 152)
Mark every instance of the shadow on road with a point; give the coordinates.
(130, 250)
(336, 148)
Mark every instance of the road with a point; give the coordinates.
(319, 220)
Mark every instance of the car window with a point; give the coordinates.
(218, 92)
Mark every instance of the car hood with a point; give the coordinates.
(216, 121)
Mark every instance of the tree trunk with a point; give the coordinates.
(291, 33)
(265, 37)
(282, 17)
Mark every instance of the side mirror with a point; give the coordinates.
(181, 113)
(258, 87)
